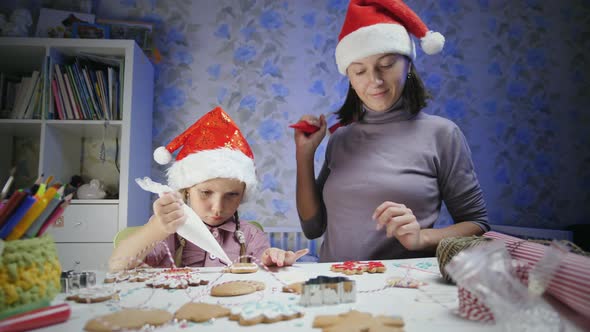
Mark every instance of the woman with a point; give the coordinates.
(390, 167)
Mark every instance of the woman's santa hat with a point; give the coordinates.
(213, 147)
(382, 26)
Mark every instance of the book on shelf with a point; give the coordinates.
(70, 96)
(88, 89)
(25, 95)
(58, 101)
(9, 86)
(68, 112)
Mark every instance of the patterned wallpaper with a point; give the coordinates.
(513, 75)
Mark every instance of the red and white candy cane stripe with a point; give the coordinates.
(470, 307)
(571, 283)
(36, 318)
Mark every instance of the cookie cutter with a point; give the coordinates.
(72, 280)
(327, 290)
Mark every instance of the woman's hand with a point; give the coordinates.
(399, 222)
(279, 257)
(168, 213)
(306, 144)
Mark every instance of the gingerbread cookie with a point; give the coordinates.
(236, 288)
(356, 267)
(128, 319)
(356, 321)
(264, 312)
(201, 312)
(241, 268)
(93, 295)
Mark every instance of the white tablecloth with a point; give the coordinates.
(431, 308)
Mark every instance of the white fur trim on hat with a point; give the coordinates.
(162, 156)
(371, 40)
(210, 164)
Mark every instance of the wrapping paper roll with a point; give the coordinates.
(571, 283)
(472, 308)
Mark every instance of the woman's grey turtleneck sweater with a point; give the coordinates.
(416, 160)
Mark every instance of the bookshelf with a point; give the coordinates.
(57, 147)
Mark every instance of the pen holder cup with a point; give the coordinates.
(29, 274)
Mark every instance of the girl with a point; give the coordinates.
(214, 173)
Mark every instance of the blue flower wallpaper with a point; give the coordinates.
(514, 75)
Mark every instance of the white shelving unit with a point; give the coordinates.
(85, 233)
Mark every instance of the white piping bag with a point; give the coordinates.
(193, 229)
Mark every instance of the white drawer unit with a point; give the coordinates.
(87, 223)
(84, 256)
(62, 145)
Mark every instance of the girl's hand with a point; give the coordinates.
(308, 143)
(168, 214)
(399, 222)
(279, 257)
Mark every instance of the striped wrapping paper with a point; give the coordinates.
(570, 285)
(472, 308)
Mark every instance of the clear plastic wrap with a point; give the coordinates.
(488, 272)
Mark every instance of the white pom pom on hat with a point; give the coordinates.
(162, 156)
(382, 26)
(432, 43)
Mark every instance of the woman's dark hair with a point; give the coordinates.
(414, 94)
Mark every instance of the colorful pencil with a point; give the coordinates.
(51, 206)
(11, 205)
(17, 216)
(43, 198)
(55, 215)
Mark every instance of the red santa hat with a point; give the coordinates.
(382, 26)
(213, 147)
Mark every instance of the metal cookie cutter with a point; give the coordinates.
(327, 290)
(72, 280)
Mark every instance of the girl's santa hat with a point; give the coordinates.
(213, 147)
(382, 26)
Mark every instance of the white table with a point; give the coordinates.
(431, 308)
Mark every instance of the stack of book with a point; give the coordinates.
(85, 90)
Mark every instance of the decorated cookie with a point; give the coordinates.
(356, 267)
(129, 276)
(179, 270)
(176, 280)
(93, 295)
(128, 319)
(236, 288)
(356, 321)
(404, 282)
(241, 268)
(264, 312)
(201, 312)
